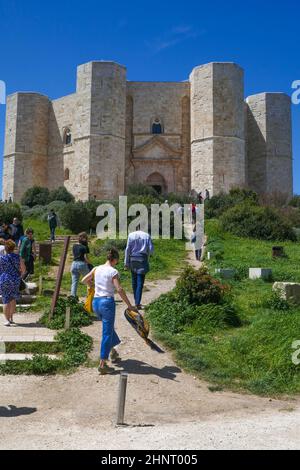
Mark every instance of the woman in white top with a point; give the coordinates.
(107, 281)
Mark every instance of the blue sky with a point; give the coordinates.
(41, 43)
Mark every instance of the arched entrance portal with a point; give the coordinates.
(157, 182)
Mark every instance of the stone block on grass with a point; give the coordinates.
(260, 273)
(226, 273)
(289, 291)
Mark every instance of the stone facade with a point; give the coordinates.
(174, 136)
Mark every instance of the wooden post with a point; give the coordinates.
(59, 276)
(40, 284)
(122, 398)
(68, 318)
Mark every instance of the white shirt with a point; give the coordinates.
(103, 281)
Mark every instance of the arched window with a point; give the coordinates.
(156, 126)
(67, 174)
(67, 137)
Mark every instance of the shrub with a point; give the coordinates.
(140, 189)
(171, 314)
(61, 194)
(76, 346)
(199, 287)
(36, 195)
(261, 223)
(79, 316)
(218, 204)
(9, 210)
(291, 215)
(295, 201)
(36, 212)
(76, 216)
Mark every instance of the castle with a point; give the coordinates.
(175, 136)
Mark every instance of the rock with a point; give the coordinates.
(260, 273)
(288, 291)
(226, 273)
(31, 288)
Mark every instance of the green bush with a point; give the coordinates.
(198, 287)
(295, 201)
(140, 189)
(262, 223)
(36, 195)
(37, 212)
(76, 346)
(79, 317)
(76, 216)
(9, 210)
(61, 194)
(218, 204)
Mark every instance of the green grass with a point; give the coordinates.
(168, 258)
(41, 229)
(257, 356)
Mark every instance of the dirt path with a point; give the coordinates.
(165, 409)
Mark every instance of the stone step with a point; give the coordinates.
(28, 338)
(23, 300)
(22, 357)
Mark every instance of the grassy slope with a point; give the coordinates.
(167, 258)
(257, 356)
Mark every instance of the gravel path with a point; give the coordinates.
(166, 408)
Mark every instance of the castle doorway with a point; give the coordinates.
(157, 182)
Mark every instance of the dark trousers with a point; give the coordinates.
(198, 254)
(29, 267)
(137, 286)
(52, 234)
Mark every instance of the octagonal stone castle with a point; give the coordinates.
(175, 136)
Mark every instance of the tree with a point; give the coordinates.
(36, 196)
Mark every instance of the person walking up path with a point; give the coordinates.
(11, 269)
(28, 252)
(81, 264)
(53, 223)
(17, 231)
(106, 279)
(139, 247)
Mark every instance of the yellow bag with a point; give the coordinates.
(88, 305)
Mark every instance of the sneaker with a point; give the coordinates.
(105, 370)
(7, 323)
(12, 322)
(114, 355)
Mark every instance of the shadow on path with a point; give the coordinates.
(132, 366)
(12, 411)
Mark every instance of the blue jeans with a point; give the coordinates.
(105, 309)
(137, 286)
(78, 268)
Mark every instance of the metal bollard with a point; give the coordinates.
(122, 398)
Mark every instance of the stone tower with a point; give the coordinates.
(217, 127)
(269, 143)
(26, 143)
(103, 85)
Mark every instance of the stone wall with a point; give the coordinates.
(269, 143)
(107, 149)
(217, 127)
(168, 155)
(26, 144)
